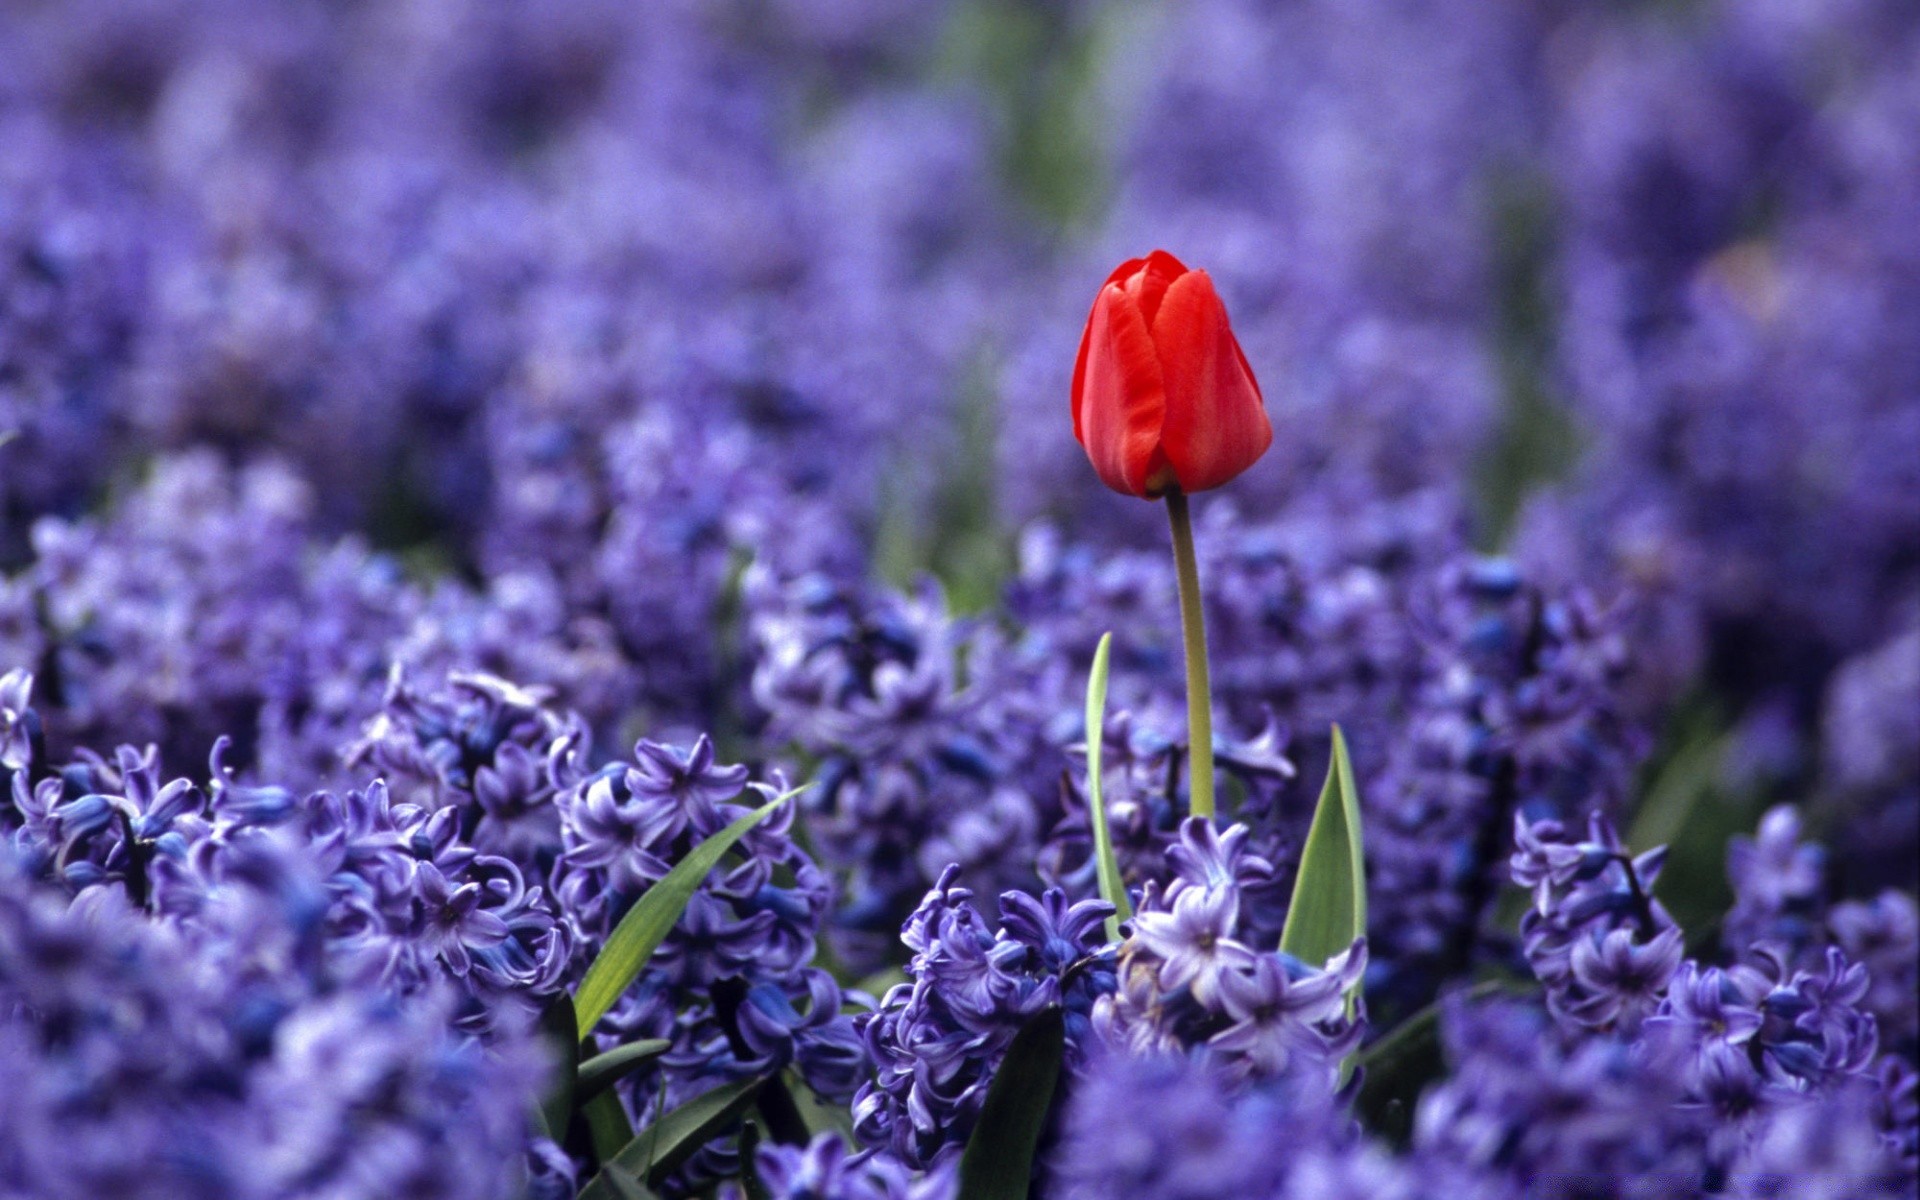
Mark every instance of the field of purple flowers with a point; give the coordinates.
(547, 593)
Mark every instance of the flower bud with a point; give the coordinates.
(1162, 395)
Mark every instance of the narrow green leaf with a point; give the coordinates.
(651, 918)
(663, 1146)
(998, 1161)
(1111, 889)
(561, 1039)
(598, 1073)
(1689, 777)
(1329, 906)
(608, 1129)
(7, 435)
(623, 1185)
(820, 1116)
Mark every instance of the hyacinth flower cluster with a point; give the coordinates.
(1602, 946)
(928, 750)
(940, 740)
(1146, 814)
(732, 988)
(217, 1049)
(1786, 1024)
(207, 604)
(195, 1002)
(937, 1039)
(1194, 978)
(469, 882)
(435, 418)
(826, 1169)
(1751, 1081)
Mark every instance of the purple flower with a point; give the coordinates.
(1778, 884)
(824, 1170)
(1194, 941)
(452, 923)
(1619, 979)
(937, 1039)
(1190, 979)
(1595, 936)
(16, 720)
(1883, 936)
(1279, 1009)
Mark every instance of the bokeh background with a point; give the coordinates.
(575, 340)
(408, 405)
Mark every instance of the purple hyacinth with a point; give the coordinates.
(1601, 944)
(1883, 935)
(824, 1169)
(921, 764)
(226, 1057)
(18, 722)
(1191, 979)
(734, 986)
(937, 1039)
(1779, 885)
(1574, 1116)
(478, 745)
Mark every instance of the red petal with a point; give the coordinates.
(1119, 400)
(1216, 425)
(1148, 285)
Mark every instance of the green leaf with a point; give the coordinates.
(1329, 907)
(998, 1161)
(623, 1185)
(563, 1040)
(881, 982)
(607, 1126)
(652, 917)
(820, 1116)
(1111, 889)
(1688, 778)
(663, 1146)
(598, 1073)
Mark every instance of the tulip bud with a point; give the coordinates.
(1162, 395)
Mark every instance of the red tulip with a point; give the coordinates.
(1162, 395)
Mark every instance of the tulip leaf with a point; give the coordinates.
(651, 918)
(599, 1073)
(1111, 889)
(1329, 906)
(998, 1161)
(658, 1150)
(559, 1036)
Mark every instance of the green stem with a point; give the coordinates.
(1193, 630)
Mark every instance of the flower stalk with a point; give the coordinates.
(1193, 632)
